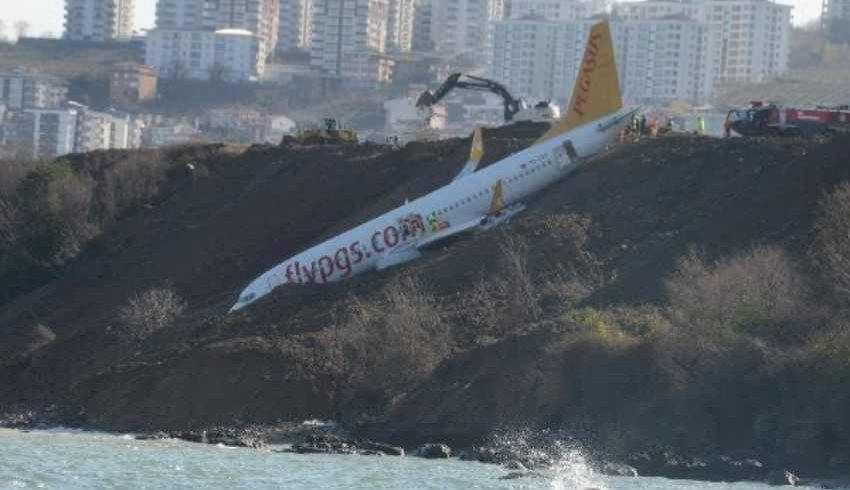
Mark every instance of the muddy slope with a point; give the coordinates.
(647, 203)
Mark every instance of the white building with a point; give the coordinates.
(260, 17)
(349, 40)
(99, 20)
(53, 131)
(563, 10)
(400, 22)
(171, 135)
(228, 54)
(463, 27)
(22, 91)
(658, 61)
(748, 40)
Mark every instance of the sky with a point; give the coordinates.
(47, 15)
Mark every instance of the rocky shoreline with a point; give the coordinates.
(315, 437)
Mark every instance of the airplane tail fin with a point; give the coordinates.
(476, 153)
(597, 88)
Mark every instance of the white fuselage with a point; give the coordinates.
(457, 204)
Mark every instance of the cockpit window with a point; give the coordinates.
(247, 297)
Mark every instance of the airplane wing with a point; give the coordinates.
(412, 251)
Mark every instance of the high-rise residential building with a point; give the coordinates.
(228, 39)
(666, 50)
(748, 40)
(349, 40)
(563, 10)
(400, 25)
(422, 41)
(226, 54)
(259, 17)
(25, 91)
(99, 20)
(463, 27)
(836, 9)
(189, 15)
(295, 25)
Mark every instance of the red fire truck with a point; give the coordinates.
(762, 119)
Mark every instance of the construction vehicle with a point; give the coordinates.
(516, 110)
(762, 119)
(331, 132)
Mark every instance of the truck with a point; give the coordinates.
(761, 119)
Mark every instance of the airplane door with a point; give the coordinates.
(565, 155)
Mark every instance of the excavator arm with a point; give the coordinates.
(429, 98)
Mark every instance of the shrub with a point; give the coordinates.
(758, 292)
(521, 294)
(832, 242)
(149, 312)
(398, 338)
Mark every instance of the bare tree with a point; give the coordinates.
(22, 28)
(758, 292)
(832, 246)
(148, 312)
(2, 31)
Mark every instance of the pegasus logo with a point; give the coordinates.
(585, 76)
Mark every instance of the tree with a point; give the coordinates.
(22, 28)
(2, 31)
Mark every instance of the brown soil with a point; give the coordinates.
(647, 203)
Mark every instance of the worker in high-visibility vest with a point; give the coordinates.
(701, 125)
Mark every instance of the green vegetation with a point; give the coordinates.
(50, 211)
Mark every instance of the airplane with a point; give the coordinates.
(479, 199)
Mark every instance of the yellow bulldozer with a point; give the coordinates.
(330, 133)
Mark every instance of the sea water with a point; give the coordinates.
(86, 460)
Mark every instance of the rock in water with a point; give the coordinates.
(433, 451)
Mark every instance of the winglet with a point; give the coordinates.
(597, 88)
(476, 153)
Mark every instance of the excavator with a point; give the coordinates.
(515, 109)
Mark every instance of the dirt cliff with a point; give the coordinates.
(634, 210)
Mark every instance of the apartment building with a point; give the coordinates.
(400, 25)
(295, 25)
(231, 39)
(99, 20)
(748, 40)
(19, 91)
(835, 10)
(350, 40)
(563, 10)
(189, 15)
(421, 35)
(131, 84)
(658, 60)
(227, 54)
(53, 131)
(464, 27)
(259, 17)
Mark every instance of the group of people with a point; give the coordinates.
(640, 126)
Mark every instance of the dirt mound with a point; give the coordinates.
(635, 209)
